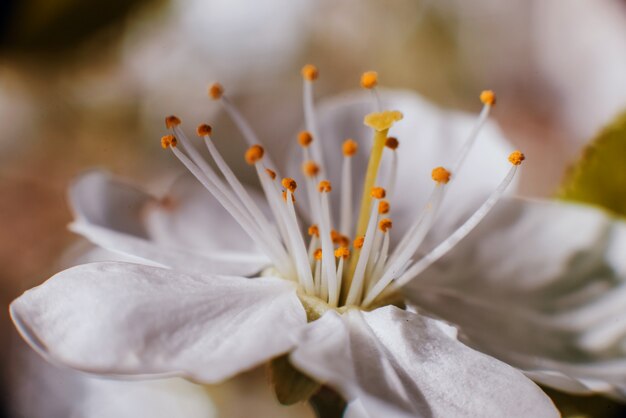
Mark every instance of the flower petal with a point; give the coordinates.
(429, 137)
(401, 364)
(187, 230)
(129, 319)
(539, 285)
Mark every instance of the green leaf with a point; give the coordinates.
(599, 176)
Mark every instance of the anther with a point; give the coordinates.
(216, 91)
(168, 141)
(369, 79)
(271, 173)
(488, 97)
(380, 121)
(342, 252)
(305, 138)
(385, 224)
(310, 168)
(324, 186)
(317, 254)
(172, 121)
(338, 238)
(254, 154)
(204, 130)
(383, 207)
(314, 231)
(358, 243)
(289, 184)
(516, 158)
(378, 193)
(392, 143)
(349, 147)
(310, 72)
(441, 175)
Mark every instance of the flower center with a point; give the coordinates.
(331, 274)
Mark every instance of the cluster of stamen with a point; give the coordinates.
(330, 266)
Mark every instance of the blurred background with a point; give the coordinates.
(87, 83)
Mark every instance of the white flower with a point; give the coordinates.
(178, 314)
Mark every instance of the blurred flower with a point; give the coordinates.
(142, 319)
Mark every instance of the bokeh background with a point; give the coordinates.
(87, 83)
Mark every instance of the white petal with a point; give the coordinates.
(191, 232)
(539, 285)
(429, 137)
(393, 359)
(127, 319)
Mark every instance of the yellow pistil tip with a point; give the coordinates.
(383, 207)
(317, 255)
(324, 186)
(172, 121)
(488, 97)
(305, 138)
(271, 173)
(392, 143)
(216, 91)
(204, 130)
(289, 184)
(358, 243)
(314, 230)
(380, 121)
(338, 238)
(516, 157)
(310, 72)
(254, 154)
(385, 224)
(310, 168)
(369, 79)
(349, 147)
(168, 141)
(342, 252)
(441, 175)
(378, 193)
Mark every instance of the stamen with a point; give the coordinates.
(349, 149)
(449, 243)
(441, 175)
(172, 121)
(488, 97)
(289, 184)
(341, 253)
(204, 130)
(271, 173)
(314, 231)
(369, 81)
(378, 193)
(216, 91)
(299, 249)
(254, 154)
(324, 186)
(385, 224)
(305, 138)
(516, 158)
(339, 239)
(318, 254)
(383, 207)
(310, 74)
(392, 144)
(358, 242)
(328, 262)
(310, 169)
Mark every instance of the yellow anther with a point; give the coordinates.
(369, 79)
(293, 197)
(358, 243)
(441, 175)
(385, 224)
(216, 91)
(324, 186)
(314, 230)
(254, 154)
(392, 143)
(383, 207)
(378, 193)
(204, 130)
(172, 121)
(488, 97)
(168, 141)
(271, 173)
(342, 252)
(380, 121)
(310, 72)
(338, 238)
(349, 147)
(305, 138)
(310, 169)
(289, 184)
(516, 157)
(317, 255)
